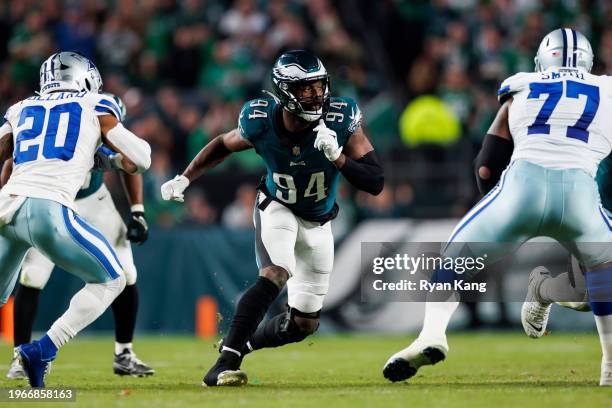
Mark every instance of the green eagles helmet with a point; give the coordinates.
(293, 70)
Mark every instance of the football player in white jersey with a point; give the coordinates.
(52, 138)
(95, 205)
(556, 125)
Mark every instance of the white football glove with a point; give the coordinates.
(173, 189)
(327, 141)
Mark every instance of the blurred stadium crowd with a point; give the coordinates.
(424, 73)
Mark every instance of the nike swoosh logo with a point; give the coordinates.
(537, 328)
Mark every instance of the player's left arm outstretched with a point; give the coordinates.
(211, 155)
(356, 160)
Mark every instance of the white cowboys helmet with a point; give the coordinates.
(564, 47)
(69, 71)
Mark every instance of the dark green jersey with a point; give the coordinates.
(96, 179)
(604, 181)
(298, 175)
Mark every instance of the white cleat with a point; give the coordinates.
(534, 314)
(16, 371)
(405, 363)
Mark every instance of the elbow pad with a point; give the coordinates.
(130, 146)
(495, 154)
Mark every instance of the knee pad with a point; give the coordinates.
(130, 274)
(298, 325)
(35, 270)
(115, 286)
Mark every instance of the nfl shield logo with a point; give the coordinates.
(296, 150)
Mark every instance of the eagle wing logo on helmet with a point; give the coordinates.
(295, 72)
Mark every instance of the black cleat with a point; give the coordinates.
(127, 363)
(400, 369)
(226, 372)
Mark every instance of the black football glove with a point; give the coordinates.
(138, 230)
(105, 159)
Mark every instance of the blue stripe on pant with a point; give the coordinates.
(478, 208)
(91, 247)
(98, 235)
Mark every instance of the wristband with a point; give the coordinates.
(137, 208)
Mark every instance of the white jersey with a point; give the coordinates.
(55, 137)
(560, 118)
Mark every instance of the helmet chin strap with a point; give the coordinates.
(318, 116)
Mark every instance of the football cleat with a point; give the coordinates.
(16, 371)
(405, 363)
(35, 367)
(127, 363)
(534, 313)
(226, 372)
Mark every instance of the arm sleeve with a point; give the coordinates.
(495, 154)
(365, 173)
(133, 147)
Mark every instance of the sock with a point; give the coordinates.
(599, 288)
(250, 312)
(120, 347)
(559, 289)
(435, 322)
(439, 308)
(85, 307)
(24, 313)
(125, 308)
(604, 328)
(269, 334)
(48, 348)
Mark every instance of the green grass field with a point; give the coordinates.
(483, 370)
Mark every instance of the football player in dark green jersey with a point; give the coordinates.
(306, 139)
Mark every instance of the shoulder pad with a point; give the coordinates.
(105, 105)
(512, 85)
(343, 115)
(255, 117)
